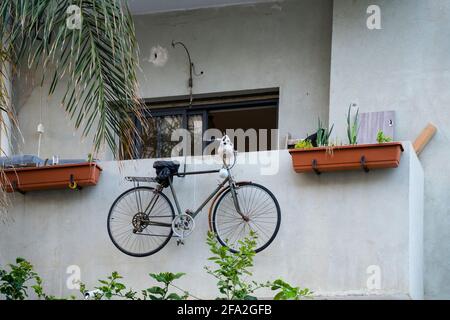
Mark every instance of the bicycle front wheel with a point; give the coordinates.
(140, 221)
(260, 209)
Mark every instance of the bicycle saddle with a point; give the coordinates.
(171, 165)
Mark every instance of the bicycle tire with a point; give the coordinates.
(111, 211)
(226, 193)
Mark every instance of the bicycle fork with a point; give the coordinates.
(236, 201)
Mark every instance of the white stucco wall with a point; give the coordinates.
(402, 67)
(333, 227)
(282, 44)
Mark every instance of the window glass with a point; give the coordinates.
(157, 141)
(252, 120)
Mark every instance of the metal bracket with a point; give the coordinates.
(15, 187)
(363, 164)
(74, 183)
(314, 167)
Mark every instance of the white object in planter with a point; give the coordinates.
(371, 122)
(40, 130)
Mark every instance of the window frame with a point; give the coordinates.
(202, 109)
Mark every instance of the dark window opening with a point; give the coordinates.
(256, 111)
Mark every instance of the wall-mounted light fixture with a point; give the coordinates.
(191, 70)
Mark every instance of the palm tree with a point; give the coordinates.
(97, 58)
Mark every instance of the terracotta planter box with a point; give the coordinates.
(51, 177)
(355, 157)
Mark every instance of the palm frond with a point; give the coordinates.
(97, 62)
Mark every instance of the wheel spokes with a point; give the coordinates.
(128, 223)
(260, 209)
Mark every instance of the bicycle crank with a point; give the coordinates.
(183, 225)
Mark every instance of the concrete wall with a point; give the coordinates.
(402, 67)
(333, 227)
(282, 44)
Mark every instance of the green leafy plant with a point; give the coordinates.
(232, 272)
(233, 269)
(98, 60)
(108, 289)
(382, 138)
(162, 293)
(323, 134)
(14, 283)
(303, 144)
(352, 126)
(287, 292)
(113, 288)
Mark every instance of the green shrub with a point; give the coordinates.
(233, 270)
(162, 293)
(14, 283)
(112, 288)
(109, 288)
(287, 292)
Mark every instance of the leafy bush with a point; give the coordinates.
(112, 288)
(382, 138)
(232, 272)
(287, 292)
(162, 293)
(14, 284)
(108, 289)
(233, 269)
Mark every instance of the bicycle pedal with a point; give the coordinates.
(189, 212)
(179, 241)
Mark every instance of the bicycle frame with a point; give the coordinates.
(228, 180)
(193, 214)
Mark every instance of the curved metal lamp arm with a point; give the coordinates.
(191, 69)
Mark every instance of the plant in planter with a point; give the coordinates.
(325, 156)
(323, 135)
(382, 138)
(352, 126)
(320, 138)
(304, 144)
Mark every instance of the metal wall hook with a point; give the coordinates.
(314, 167)
(364, 164)
(192, 70)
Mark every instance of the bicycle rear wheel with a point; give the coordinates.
(140, 221)
(258, 204)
